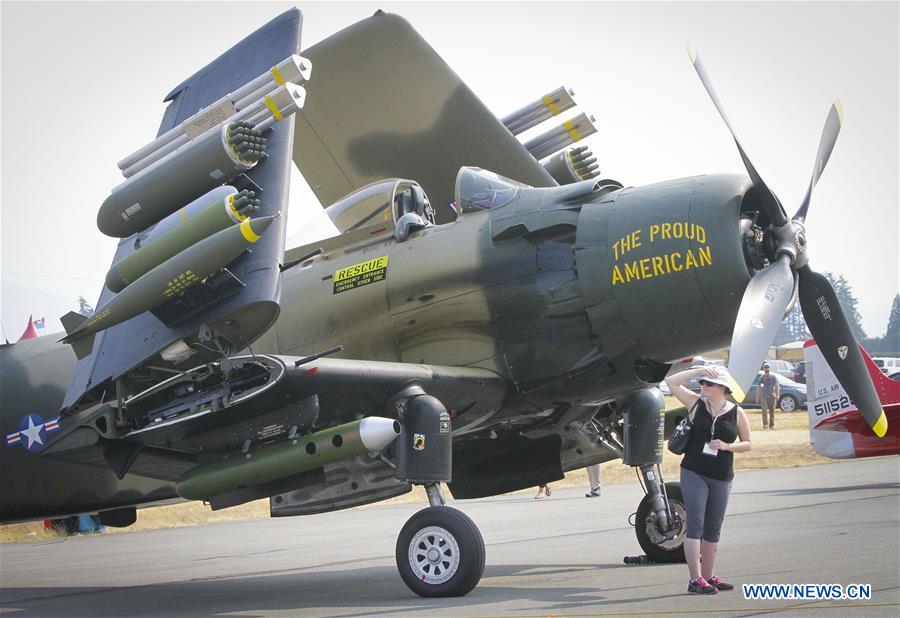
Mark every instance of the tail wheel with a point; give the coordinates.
(651, 540)
(788, 403)
(440, 553)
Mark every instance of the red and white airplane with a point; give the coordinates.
(836, 428)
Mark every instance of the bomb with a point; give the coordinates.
(170, 278)
(289, 457)
(220, 214)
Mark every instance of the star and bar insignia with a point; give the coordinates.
(32, 432)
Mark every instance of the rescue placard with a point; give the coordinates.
(361, 274)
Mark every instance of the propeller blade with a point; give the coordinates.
(826, 144)
(765, 300)
(831, 331)
(769, 201)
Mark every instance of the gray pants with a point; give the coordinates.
(768, 406)
(594, 476)
(705, 501)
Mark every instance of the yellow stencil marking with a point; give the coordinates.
(273, 108)
(551, 106)
(358, 275)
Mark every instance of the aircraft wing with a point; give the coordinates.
(245, 402)
(383, 104)
(243, 298)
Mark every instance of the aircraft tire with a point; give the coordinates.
(788, 403)
(667, 551)
(440, 553)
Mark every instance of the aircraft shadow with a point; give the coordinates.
(343, 593)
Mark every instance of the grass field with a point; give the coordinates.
(787, 446)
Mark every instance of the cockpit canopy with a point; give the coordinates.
(380, 203)
(478, 189)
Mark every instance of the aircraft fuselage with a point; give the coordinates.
(573, 295)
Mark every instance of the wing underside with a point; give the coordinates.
(206, 414)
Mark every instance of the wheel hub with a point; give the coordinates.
(675, 537)
(434, 555)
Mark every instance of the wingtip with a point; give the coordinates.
(881, 425)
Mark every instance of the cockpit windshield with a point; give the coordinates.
(478, 189)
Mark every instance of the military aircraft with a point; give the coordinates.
(836, 428)
(483, 319)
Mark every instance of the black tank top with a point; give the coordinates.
(725, 428)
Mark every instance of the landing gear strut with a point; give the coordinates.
(440, 551)
(660, 522)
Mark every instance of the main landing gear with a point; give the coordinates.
(440, 551)
(659, 522)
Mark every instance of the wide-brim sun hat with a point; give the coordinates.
(720, 380)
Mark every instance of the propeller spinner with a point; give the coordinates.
(769, 293)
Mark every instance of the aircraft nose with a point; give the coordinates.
(662, 266)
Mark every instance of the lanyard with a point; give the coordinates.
(712, 428)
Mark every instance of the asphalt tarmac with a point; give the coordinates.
(562, 556)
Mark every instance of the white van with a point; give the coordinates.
(887, 364)
(783, 367)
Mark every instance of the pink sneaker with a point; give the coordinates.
(701, 586)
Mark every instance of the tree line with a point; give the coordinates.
(793, 328)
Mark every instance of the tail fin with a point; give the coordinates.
(82, 346)
(888, 390)
(836, 428)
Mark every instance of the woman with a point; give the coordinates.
(707, 469)
(543, 490)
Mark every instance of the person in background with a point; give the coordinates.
(719, 429)
(543, 490)
(594, 479)
(767, 394)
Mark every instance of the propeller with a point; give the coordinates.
(762, 308)
(826, 145)
(831, 331)
(770, 292)
(769, 200)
